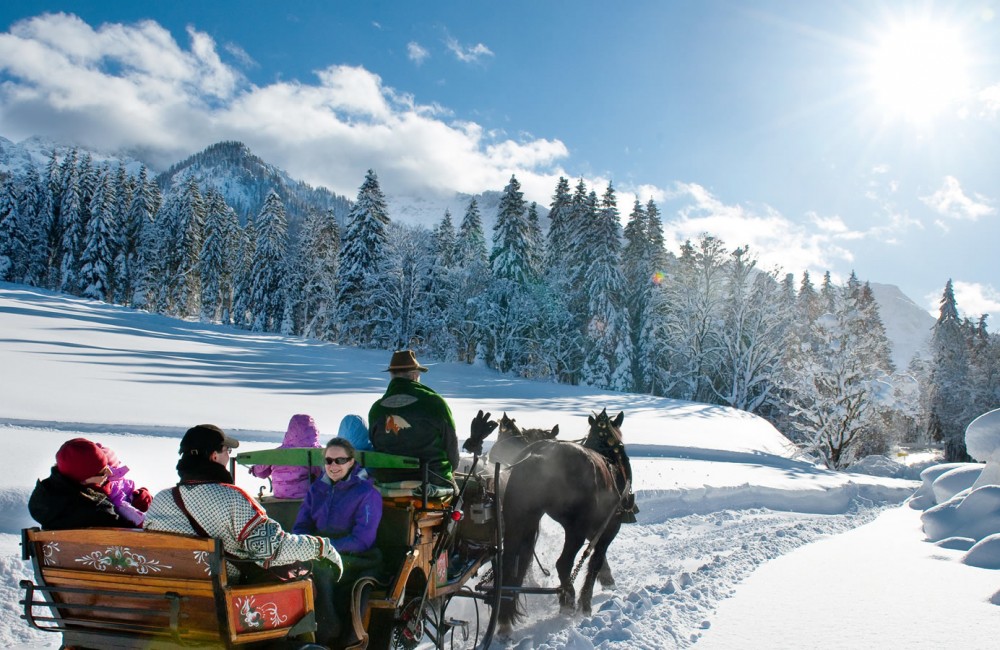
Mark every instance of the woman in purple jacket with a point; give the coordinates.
(345, 506)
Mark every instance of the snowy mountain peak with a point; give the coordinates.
(245, 180)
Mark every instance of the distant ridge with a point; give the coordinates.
(245, 180)
(907, 325)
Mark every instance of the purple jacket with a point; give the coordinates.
(292, 482)
(348, 512)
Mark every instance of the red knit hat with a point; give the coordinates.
(80, 459)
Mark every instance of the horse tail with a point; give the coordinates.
(521, 521)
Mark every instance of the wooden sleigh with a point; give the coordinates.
(132, 589)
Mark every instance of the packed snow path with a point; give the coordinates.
(670, 577)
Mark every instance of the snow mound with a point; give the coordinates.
(985, 554)
(982, 437)
(972, 515)
(880, 466)
(955, 480)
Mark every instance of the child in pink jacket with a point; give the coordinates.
(130, 502)
(290, 482)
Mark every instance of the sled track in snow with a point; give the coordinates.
(670, 575)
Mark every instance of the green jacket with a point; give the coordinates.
(412, 420)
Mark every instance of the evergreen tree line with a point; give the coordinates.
(584, 301)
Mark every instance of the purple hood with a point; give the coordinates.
(302, 432)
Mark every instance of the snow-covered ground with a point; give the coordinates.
(738, 543)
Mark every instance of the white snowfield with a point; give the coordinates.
(738, 544)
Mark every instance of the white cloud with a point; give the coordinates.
(466, 53)
(134, 87)
(975, 299)
(417, 52)
(989, 99)
(951, 201)
(241, 55)
(775, 240)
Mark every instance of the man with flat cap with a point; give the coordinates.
(206, 502)
(411, 419)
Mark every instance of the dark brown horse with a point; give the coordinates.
(580, 488)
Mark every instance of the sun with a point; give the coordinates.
(919, 69)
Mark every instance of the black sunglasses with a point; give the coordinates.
(343, 460)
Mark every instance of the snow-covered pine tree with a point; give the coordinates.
(558, 237)
(34, 211)
(399, 293)
(53, 221)
(753, 336)
(217, 261)
(510, 258)
(885, 430)
(362, 253)
(71, 216)
(984, 367)
(949, 387)
(137, 246)
(267, 296)
(243, 282)
(579, 249)
(471, 280)
(651, 360)
(445, 242)
(96, 276)
(536, 244)
(293, 285)
(691, 315)
(511, 265)
(808, 299)
(577, 255)
(471, 241)
(179, 234)
(654, 227)
(637, 272)
(10, 231)
(560, 332)
(443, 275)
(608, 356)
(320, 268)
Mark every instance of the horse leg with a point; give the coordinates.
(519, 548)
(597, 562)
(564, 566)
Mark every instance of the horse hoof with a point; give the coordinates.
(504, 630)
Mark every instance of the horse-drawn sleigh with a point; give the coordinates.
(116, 588)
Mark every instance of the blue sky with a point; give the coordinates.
(828, 136)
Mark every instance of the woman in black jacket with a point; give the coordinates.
(75, 495)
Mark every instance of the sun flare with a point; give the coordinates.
(919, 69)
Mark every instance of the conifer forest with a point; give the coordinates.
(578, 299)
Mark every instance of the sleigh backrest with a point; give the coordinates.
(124, 588)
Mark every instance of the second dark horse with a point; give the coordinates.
(580, 488)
